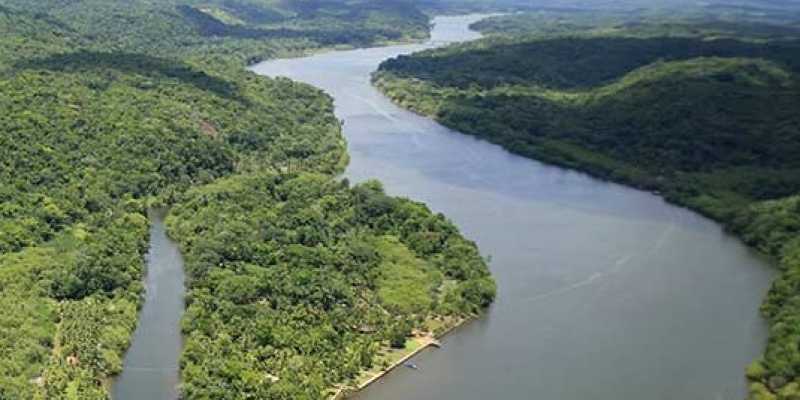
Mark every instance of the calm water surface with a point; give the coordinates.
(605, 292)
(150, 369)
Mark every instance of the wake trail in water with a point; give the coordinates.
(378, 110)
(586, 282)
(387, 115)
(618, 265)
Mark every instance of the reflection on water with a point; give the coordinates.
(605, 292)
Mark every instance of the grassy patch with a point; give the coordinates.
(407, 283)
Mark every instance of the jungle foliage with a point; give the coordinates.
(767, 20)
(219, 30)
(297, 281)
(89, 139)
(109, 107)
(707, 115)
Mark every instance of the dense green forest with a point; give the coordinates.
(86, 140)
(220, 30)
(707, 114)
(297, 282)
(109, 107)
(780, 11)
(683, 22)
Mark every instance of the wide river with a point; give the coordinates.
(605, 292)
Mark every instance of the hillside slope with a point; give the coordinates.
(227, 30)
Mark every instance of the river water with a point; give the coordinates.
(605, 292)
(150, 368)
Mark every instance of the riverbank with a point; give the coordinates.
(391, 359)
(314, 51)
(768, 227)
(151, 366)
(747, 181)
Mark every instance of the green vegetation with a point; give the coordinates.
(627, 109)
(297, 282)
(665, 19)
(708, 115)
(70, 307)
(774, 227)
(82, 153)
(222, 31)
(109, 107)
(406, 284)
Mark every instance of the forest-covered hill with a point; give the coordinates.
(109, 107)
(707, 114)
(244, 30)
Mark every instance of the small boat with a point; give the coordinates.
(410, 365)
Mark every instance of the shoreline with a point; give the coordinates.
(724, 215)
(315, 51)
(427, 341)
(431, 339)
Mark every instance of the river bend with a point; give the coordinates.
(605, 292)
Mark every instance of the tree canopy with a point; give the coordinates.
(110, 107)
(304, 279)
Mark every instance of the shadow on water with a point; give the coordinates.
(150, 370)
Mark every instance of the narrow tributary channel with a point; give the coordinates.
(150, 369)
